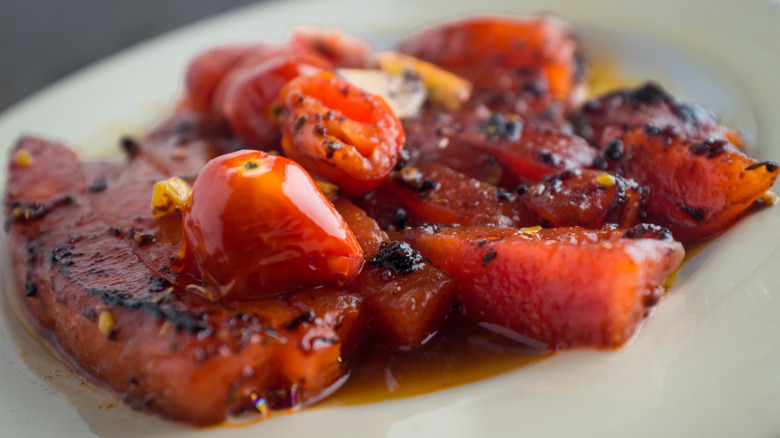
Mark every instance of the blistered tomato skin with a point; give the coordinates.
(250, 99)
(340, 132)
(257, 225)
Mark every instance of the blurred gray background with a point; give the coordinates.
(44, 40)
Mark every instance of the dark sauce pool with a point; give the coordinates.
(461, 354)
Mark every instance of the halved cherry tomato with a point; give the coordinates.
(251, 97)
(257, 225)
(543, 43)
(340, 132)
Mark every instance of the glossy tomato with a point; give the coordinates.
(252, 96)
(207, 70)
(257, 225)
(340, 132)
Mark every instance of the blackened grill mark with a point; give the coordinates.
(158, 284)
(27, 211)
(771, 166)
(489, 256)
(694, 114)
(61, 255)
(192, 322)
(130, 146)
(710, 148)
(645, 231)
(696, 214)
(427, 184)
(88, 313)
(186, 130)
(99, 185)
(650, 93)
(30, 289)
(652, 130)
(293, 324)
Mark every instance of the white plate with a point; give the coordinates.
(707, 363)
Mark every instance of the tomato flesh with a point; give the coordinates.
(257, 225)
(340, 132)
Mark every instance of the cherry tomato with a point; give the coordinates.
(341, 49)
(340, 132)
(544, 44)
(252, 96)
(257, 225)
(249, 62)
(206, 71)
